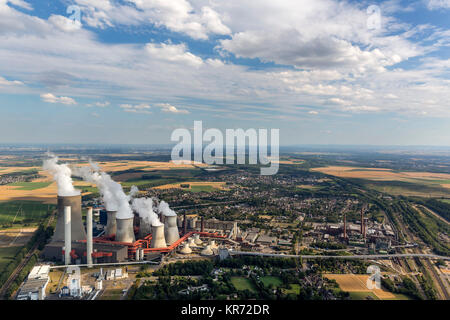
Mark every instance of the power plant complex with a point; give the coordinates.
(122, 239)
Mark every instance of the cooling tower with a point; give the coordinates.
(77, 227)
(186, 249)
(158, 240)
(197, 239)
(111, 226)
(207, 251)
(125, 231)
(145, 228)
(171, 230)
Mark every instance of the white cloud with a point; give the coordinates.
(51, 98)
(175, 15)
(165, 107)
(21, 3)
(138, 108)
(64, 24)
(173, 53)
(437, 4)
(313, 112)
(4, 82)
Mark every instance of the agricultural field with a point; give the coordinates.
(7, 255)
(241, 283)
(356, 283)
(18, 213)
(422, 184)
(15, 236)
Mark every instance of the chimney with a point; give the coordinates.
(89, 237)
(345, 225)
(184, 224)
(365, 228)
(67, 235)
(203, 225)
(362, 221)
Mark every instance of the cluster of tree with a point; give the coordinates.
(202, 267)
(330, 245)
(440, 207)
(340, 266)
(406, 287)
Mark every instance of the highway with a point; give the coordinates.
(362, 256)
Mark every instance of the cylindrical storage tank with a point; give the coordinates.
(207, 251)
(186, 249)
(158, 240)
(197, 239)
(125, 231)
(142, 254)
(145, 228)
(77, 227)
(171, 230)
(67, 235)
(192, 223)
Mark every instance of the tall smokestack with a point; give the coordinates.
(362, 221)
(345, 225)
(171, 231)
(203, 225)
(158, 240)
(111, 225)
(125, 230)
(89, 240)
(77, 227)
(184, 224)
(67, 235)
(366, 220)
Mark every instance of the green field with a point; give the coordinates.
(445, 200)
(362, 295)
(87, 189)
(7, 255)
(147, 182)
(274, 281)
(19, 212)
(294, 288)
(241, 283)
(30, 185)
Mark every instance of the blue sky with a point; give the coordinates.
(322, 71)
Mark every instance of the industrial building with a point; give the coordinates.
(34, 286)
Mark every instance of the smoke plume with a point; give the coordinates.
(144, 206)
(111, 191)
(62, 175)
(165, 209)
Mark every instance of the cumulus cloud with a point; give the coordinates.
(173, 53)
(64, 24)
(21, 3)
(138, 108)
(99, 104)
(51, 98)
(165, 107)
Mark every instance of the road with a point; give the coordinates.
(362, 256)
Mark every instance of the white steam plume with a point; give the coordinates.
(134, 191)
(165, 209)
(112, 192)
(62, 175)
(144, 206)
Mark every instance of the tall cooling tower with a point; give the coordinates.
(171, 230)
(158, 240)
(145, 228)
(77, 228)
(111, 226)
(125, 230)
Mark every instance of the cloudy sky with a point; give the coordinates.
(132, 71)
